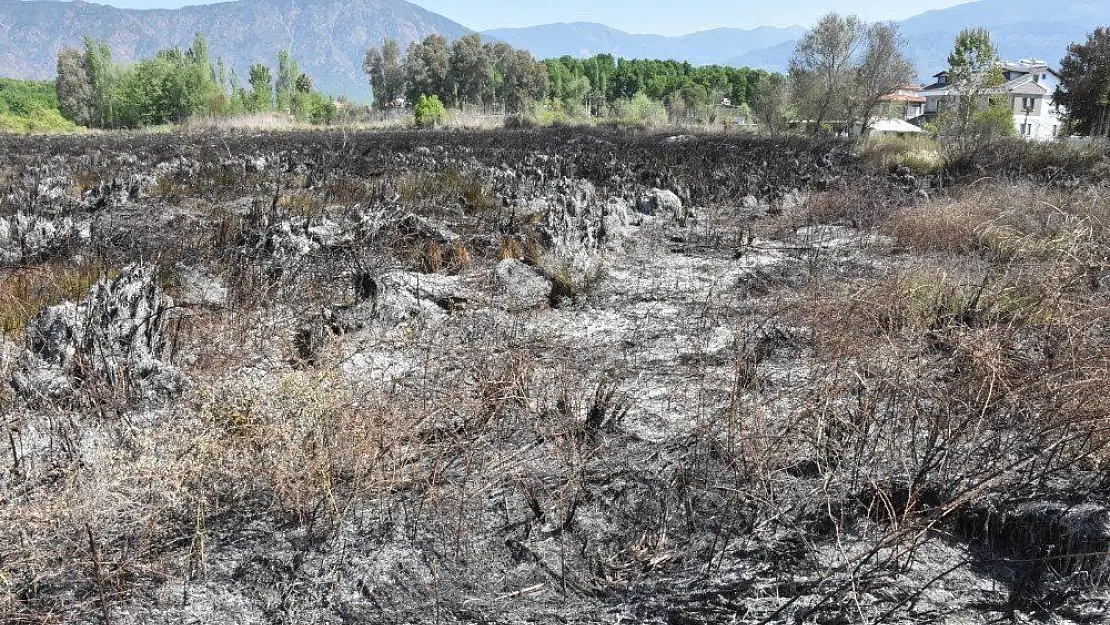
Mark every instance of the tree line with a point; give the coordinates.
(498, 76)
(176, 85)
(598, 83)
(465, 72)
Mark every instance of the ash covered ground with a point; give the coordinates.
(559, 376)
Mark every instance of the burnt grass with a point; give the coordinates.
(565, 376)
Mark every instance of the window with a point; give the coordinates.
(1028, 104)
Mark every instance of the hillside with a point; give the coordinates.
(328, 37)
(587, 39)
(1020, 28)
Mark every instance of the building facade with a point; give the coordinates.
(1029, 91)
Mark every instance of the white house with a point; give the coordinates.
(904, 104)
(1030, 91)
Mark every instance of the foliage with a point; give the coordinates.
(261, 93)
(820, 68)
(426, 67)
(770, 103)
(599, 82)
(973, 116)
(843, 68)
(1085, 84)
(467, 72)
(286, 86)
(175, 86)
(24, 97)
(470, 73)
(429, 111)
(386, 71)
(882, 71)
(518, 78)
(996, 120)
(30, 106)
(641, 110)
(170, 88)
(74, 90)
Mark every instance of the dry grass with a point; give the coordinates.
(257, 122)
(26, 291)
(449, 186)
(888, 401)
(304, 446)
(920, 154)
(1004, 223)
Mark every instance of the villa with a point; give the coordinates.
(1030, 90)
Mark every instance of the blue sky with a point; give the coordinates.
(665, 17)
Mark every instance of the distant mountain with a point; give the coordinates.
(1020, 28)
(327, 37)
(583, 39)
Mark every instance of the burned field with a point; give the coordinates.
(558, 376)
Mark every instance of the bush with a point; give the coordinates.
(642, 110)
(30, 106)
(429, 111)
(920, 153)
(997, 120)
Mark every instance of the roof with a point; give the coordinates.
(903, 97)
(1024, 86)
(894, 126)
(1028, 66)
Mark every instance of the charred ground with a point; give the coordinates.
(558, 376)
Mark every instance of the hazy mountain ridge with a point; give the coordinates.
(586, 39)
(328, 37)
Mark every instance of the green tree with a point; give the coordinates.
(470, 72)
(102, 77)
(386, 70)
(882, 71)
(261, 93)
(822, 68)
(519, 79)
(429, 111)
(770, 103)
(976, 112)
(75, 94)
(426, 67)
(172, 87)
(1085, 84)
(304, 84)
(286, 86)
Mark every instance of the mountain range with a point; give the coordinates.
(330, 37)
(719, 45)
